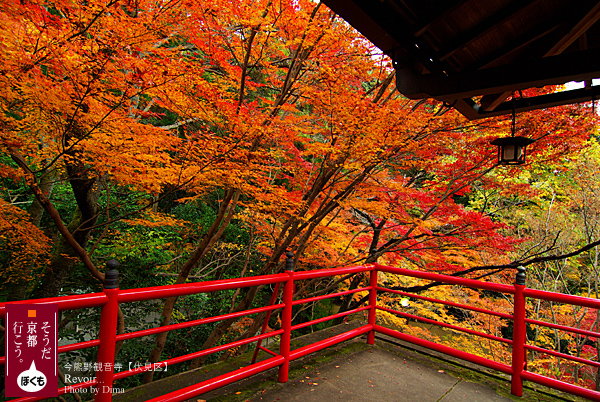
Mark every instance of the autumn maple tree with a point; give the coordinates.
(176, 124)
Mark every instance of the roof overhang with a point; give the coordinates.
(474, 54)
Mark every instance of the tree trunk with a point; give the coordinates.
(21, 289)
(217, 228)
(46, 184)
(63, 262)
(85, 217)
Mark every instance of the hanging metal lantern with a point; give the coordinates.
(512, 150)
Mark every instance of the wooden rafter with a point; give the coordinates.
(485, 27)
(441, 13)
(491, 102)
(459, 50)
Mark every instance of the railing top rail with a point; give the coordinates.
(88, 300)
(72, 302)
(140, 294)
(159, 292)
(320, 273)
(562, 298)
(453, 280)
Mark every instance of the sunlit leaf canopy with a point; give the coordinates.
(203, 140)
(283, 104)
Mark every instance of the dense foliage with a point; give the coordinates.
(202, 140)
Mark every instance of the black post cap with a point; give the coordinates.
(521, 275)
(289, 261)
(111, 277)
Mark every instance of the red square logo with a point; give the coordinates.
(31, 350)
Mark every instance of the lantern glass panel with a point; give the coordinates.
(509, 152)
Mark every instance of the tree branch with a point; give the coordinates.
(49, 207)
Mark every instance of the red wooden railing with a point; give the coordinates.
(110, 299)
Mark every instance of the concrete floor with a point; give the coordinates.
(389, 371)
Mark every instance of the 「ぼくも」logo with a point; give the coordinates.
(31, 350)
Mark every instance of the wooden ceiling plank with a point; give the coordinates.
(517, 45)
(356, 15)
(401, 28)
(576, 66)
(436, 17)
(409, 14)
(579, 29)
(384, 14)
(485, 27)
(583, 42)
(491, 102)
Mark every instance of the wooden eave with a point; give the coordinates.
(473, 54)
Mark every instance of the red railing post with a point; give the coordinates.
(373, 305)
(286, 319)
(108, 335)
(265, 323)
(519, 334)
